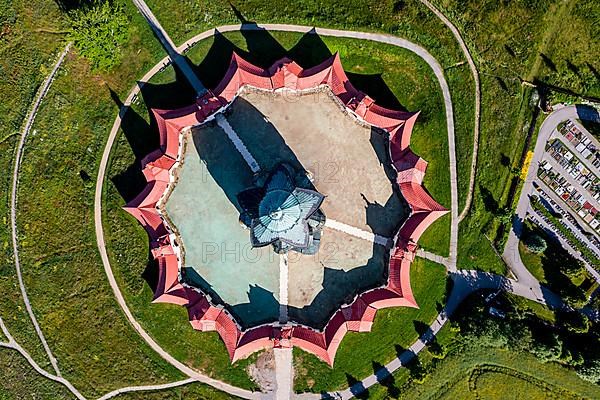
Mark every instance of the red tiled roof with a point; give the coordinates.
(357, 316)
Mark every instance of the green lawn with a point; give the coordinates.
(533, 262)
(26, 56)
(393, 330)
(468, 373)
(20, 381)
(96, 348)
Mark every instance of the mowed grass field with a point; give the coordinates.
(480, 372)
(97, 349)
(128, 242)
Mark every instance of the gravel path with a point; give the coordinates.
(475, 74)
(13, 202)
(438, 71)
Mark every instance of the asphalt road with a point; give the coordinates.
(511, 251)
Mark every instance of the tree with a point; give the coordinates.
(590, 371)
(505, 215)
(535, 243)
(573, 321)
(573, 268)
(547, 347)
(98, 31)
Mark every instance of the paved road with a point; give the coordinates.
(511, 251)
(13, 202)
(170, 47)
(433, 257)
(539, 220)
(565, 210)
(569, 145)
(563, 172)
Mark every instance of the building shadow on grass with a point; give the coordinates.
(141, 133)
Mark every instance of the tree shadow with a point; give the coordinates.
(593, 70)
(490, 204)
(573, 68)
(69, 5)
(356, 387)
(386, 379)
(509, 50)
(502, 84)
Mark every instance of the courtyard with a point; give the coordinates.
(348, 163)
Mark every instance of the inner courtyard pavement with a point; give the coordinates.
(465, 282)
(438, 71)
(451, 261)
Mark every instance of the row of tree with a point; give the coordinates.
(571, 340)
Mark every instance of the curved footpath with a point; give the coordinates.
(465, 283)
(476, 128)
(13, 202)
(381, 38)
(438, 71)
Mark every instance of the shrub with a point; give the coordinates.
(590, 371)
(535, 243)
(98, 30)
(548, 347)
(573, 321)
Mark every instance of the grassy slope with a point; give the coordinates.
(128, 242)
(96, 348)
(393, 330)
(20, 382)
(451, 376)
(573, 56)
(500, 36)
(26, 56)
